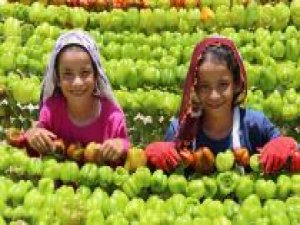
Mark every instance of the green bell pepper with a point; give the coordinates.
(135, 209)
(244, 187)
(34, 167)
(120, 175)
(293, 208)
(214, 208)
(254, 162)
(156, 203)
(118, 202)
(65, 192)
(132, 187)
(98, 200)
(224, 161)
(278, 50)
(267, 79)
(251, 208)
(211, 186)
(105, 176)
(273, 206)
(2, 221)
(280, 218)
(183, 220)
(52, 170)
(177, 184)
(265, 189)
(284, 185)
(195, 189)
(222, 220)
(199, 211)
(292, 52)
(176, 204)
(33, 199)
(159, 182)
(69, 171)
(46, 186)
(150, 217)
(191, 205)
(231, 208)
(83, 192)
(262, 221)
(295, 184)
(202, 220)
(143, 176)
(18, 191)
(94, 217)
(240, 219)
(252, 14)
(88, 174)
(116, 219)
(227, 182)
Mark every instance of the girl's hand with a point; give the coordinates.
(275, 154)
(112, 149)
(40, 139)
(162, 155)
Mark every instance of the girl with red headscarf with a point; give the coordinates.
(211, 114)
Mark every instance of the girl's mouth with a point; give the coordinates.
(77, 93)
(215, 106)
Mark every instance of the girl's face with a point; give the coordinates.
(215, 86)
(76, 74)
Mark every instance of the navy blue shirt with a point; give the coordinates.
(255, 131)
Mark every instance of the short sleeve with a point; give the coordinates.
(120, 130)
(44, 117)
(269, 129)
(172, 130)
(258, 130)
(123, 134)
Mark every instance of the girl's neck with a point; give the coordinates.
(83, 113)
(218, 126)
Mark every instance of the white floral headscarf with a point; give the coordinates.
(83, 39)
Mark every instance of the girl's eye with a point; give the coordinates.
(67, 75)
(224, 85)
(85, 73)
(203, 87)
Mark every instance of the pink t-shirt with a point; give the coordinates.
(110, 124)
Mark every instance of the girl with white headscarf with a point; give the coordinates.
(77, 102)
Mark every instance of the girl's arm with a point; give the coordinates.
(278, 150)
(122, 133)
(118, 144)
(39, 137)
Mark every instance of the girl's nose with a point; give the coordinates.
(77, 80)
(214, 94)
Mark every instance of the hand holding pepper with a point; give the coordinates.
(112, 149)
(40, 139)
(162, 155)
(276, 152)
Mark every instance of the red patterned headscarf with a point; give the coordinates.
(186, 102)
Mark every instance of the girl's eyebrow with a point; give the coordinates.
(86, 66)
(66, 69)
